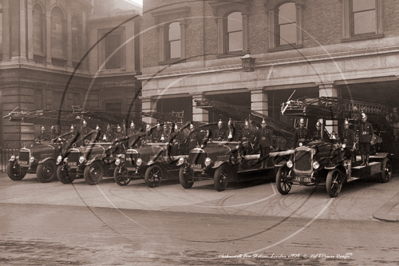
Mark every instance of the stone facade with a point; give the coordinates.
(50, 47)
(327, 58)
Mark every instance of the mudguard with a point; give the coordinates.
(45, 160)
(219, 163)
(89, 162)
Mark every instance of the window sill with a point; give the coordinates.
(172, 61)
(285, 48)
(231, 54)
(363, 37)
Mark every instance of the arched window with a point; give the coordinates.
(58, 34)
(234, 33)
(286, 26)
(38, 30)
(76, 40)
(174, 41)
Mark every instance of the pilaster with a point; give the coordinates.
(259, 101)
(199, 114)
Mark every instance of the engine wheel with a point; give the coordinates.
(46, 171)
(15, 172)
(121, 176)
(220, 179)
(63, 176)
(283, 186)
(186, 177)
(334, 183)
(386, 171)
(153, 176)
(93, 173)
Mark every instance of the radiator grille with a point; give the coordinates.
(303, 160)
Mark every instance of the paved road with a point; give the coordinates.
(250, 224)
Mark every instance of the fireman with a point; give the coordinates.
(317, 132)
(231, 131)
(366, 132)
(348, 139)
(157, 134)
(132, 130)
(246, 138)
(301, 134)
(220, 133)
(119, 132)
(43, 136)
(265, 142)
(193, 142)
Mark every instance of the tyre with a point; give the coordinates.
(121, 176)
(15, 172)
(46, 171)
(283, 186)
(334, 183)
(93, 173)
(386, 171)
(186, 177)
(63, 176)
(220, 179)
(153, 176)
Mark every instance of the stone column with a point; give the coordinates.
(148, 105)
(83, 50)
(183, 24)
(69, 34)
(245, 32)
(6, 30)
(220, 36)
(199, 114)
(23, 30)
(259, 101)
(30, 30)
(272, 37)
(161, 42)
(48, 32)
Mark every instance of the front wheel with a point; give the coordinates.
(386, 171)
(93, 173)
(15, 172)
(121, 176)
(153, 176)
(63, 176)
(283, 186)
(220, 180)
(46, 171)
(186, 177)
(334, 183)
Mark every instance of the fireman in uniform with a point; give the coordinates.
(109, 134)
(43, 136)
(246, 138)
(231, 131)
(147, 136)
(301, 134)
(366, 132)
(317, 132)
(85, 129)
(220, 133)
(193, 142)
(157, 134)
(265, 142)
(132, 130)
(348, 138)
(119, 132)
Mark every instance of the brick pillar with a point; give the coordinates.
(5, 30)
(329, 90)
(148, 105)
(199, 114)
(259, 101)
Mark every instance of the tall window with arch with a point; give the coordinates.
(234, 32)
(38, 30)
(58, 34)
(76, 39)
(174, 41)
(286, 25)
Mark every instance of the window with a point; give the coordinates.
(285, 24)
(363, 19)
(76, 40)
(286, 27)
(234, 32)
(113, 107)
(58, 34)
(112, 43)
(174, 41)
(38, 30)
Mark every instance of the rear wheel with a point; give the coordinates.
(186, 177)
(334, 183)
(220, 179)
(46, 171)
(93, 173)
(63, 176)
(121, 176)
(386, 171)
(153, 176)
(15, 172)
(283, 186)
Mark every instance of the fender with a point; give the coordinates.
(281, 163)
(89, 162)
(45, 160)
(219, 163)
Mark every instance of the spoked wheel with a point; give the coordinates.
(93, 173)
(121, 176)
(63, 176)
(220, 179)
(283, 185)
(334, 183)
(153, 176)
(386, 171)
(186, 177)
(15, 172)
(46, 171)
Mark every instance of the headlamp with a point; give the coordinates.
(117, 161)
(59, 159)
(31, 159)
(316, 165)
(208, 161)
(290, 164)
(81, 159)
(139, 162)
